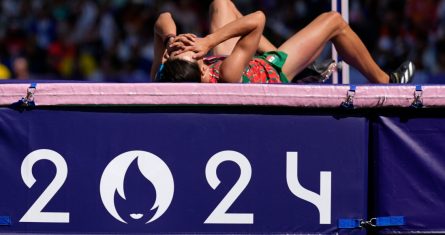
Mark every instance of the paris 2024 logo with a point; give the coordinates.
(152, 168)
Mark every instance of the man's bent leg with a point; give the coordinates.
(306, 45)
(221, 13)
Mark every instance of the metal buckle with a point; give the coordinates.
(349, 103)
(368, 223)
(29, 98)
(418, 100)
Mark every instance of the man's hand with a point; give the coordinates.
(180, 42)
(200, 46)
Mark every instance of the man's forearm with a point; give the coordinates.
(264, 45)
(165, 26)
(240, 27)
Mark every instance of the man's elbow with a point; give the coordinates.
(260, 18)
(163, 16)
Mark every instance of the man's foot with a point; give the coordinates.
(403, 74)
(316, 72)
(326, 68)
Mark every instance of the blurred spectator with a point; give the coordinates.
(4, 72)
(20, 67)
(111, 40)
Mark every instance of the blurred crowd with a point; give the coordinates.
(112, 40)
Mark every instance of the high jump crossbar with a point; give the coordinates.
(342, 75)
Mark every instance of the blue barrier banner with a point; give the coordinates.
(409, 173)
(117, 171)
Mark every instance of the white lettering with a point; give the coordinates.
(322, 201)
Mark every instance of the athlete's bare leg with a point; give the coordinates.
(264, 45)
(306, 45)
(220, 15)
(223, 12)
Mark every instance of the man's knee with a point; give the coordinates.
(334, 18)
(219, 4)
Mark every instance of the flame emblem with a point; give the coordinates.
(152, 168)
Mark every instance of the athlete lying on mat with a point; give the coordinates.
(234, 39)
